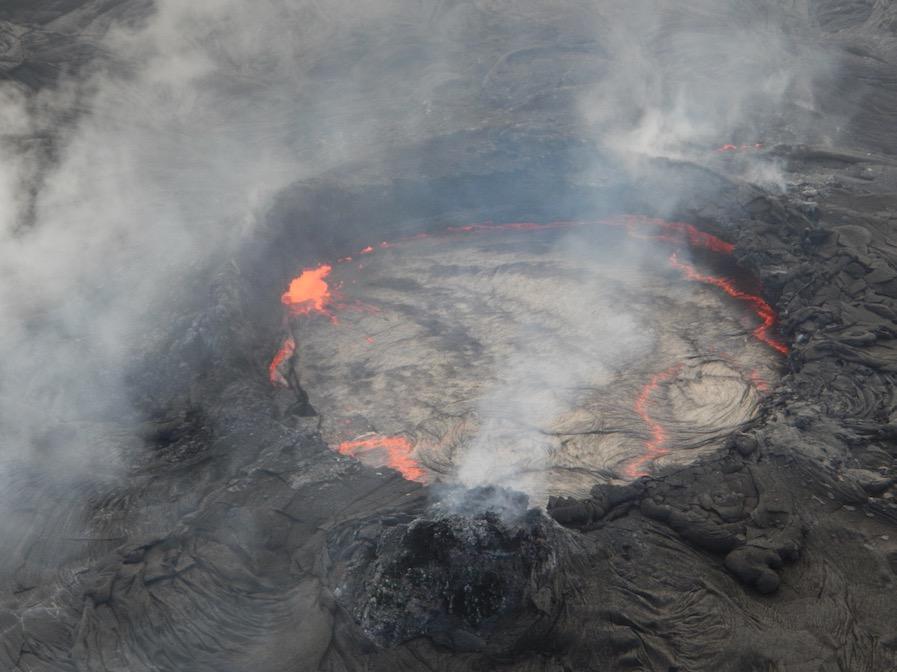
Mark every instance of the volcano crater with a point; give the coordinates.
(543, 357)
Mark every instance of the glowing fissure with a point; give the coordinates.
(309, 293)
(395, 452)
(739, 148)
(675, 232)
(286, 351)
(762, 309)
(655, 446)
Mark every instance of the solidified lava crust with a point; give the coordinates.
(422, 458)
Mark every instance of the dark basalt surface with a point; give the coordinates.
(472, 580)
(240, 541)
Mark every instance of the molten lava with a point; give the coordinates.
(394, 452)
(287, 349)
(656, 445)
(308, 292)
(676, 232)
(739, 148)
(759, 382)
(762, 309)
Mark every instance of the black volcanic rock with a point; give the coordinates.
(451, 577)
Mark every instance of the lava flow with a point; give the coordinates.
(656, 445)
(388, 451)
(672, 232)
(287, 349)
(307, 293)
(763, 310)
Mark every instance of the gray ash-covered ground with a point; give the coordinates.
(214, 528)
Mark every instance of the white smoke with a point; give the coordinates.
(545, 377)
(136, 171)
(686, 78)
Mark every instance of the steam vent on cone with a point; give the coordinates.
(449, 336)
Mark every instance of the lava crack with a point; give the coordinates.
(656, 445)
(762, 309)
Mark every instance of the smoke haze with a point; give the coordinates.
(166, 151)
(685, 79)
(544, 379)
(130, 176)
(677, 82)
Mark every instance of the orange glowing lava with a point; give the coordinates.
(286, 351)
(738, 148)
(656, 445)
(759, 382)
(394, 452)
(672, 232)
(308, 292)
(762, 309)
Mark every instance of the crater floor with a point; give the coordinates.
(539, 359)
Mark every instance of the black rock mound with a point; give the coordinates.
(453, 577)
